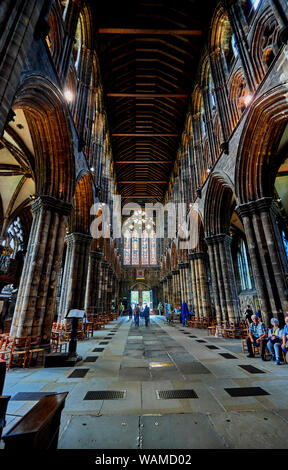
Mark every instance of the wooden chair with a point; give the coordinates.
(35, 349)
(17, 351)
(58, 342)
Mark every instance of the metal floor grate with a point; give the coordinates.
(191, 336)
(104, 342)
(78, 374)
(91, 359)
(252, 369)
(246, 391)
(227, 356)
(98, 350)
(174, 394)
(106, 395)
(30, 396)
(211, 346)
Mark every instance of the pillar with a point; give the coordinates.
(92, 285)
(224, 277)
(266, 254)
(34, 310)
(75, 273)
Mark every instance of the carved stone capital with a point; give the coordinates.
(52, 204)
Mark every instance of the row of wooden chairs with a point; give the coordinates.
(201, 322)
(85, 329)
(20, 350)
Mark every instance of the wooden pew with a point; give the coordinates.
(3, 407)
(39, 428)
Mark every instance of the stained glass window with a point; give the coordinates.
(255, 3)
(127, 249)
(144, 248)
(243, 267)
(135, 248)
(153, 257)
(285, 243)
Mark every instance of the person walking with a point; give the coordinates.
(160, 308)
(121, 309)
(137, 315)
(146, 315)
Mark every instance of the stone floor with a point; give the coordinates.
(143, 362)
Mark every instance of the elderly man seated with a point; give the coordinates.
(284, 344)
(274, 341)
(257, 337)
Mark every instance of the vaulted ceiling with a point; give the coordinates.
(148, 53)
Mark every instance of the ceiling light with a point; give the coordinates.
(247, 100)
(68, 95)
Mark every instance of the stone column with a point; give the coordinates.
(169, 289)
(177, 288)
(20, 19)
(165, 296)
(266, 254)
(75, 273)
(194, 275)
(93, 286)
(182, 283)
(224, 276)
(202, 299)
(109, 289)
(104, 295)
(99, 302)
(187, 283)
(216, 293)
(34, 310)
(219, 78)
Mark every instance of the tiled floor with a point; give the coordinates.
(142, 361)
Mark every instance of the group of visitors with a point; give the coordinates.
(140, 311)
(276, 339)
(171, 312)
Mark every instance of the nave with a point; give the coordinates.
(145, 362)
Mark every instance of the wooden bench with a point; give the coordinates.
(39, 428)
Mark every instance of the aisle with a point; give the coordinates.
(161, 387)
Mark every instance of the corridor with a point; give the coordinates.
(160, 379)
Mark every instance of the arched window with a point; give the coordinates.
(127, 249)
(135, 248)
(78, 44)
(153, 250)
(255, 3)
(285, 242)
(243, 267)
(144, 248)
(234, 47)
(16, 240)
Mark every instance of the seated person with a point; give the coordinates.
(284, 344)
(274, 341)
(256, 336)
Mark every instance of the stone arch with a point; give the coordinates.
(257, 164)
(264, 41)
(82, 203)
(48, 122)
(217, 210)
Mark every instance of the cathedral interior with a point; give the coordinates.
(144, 160)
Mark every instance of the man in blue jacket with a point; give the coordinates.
(146, 315)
